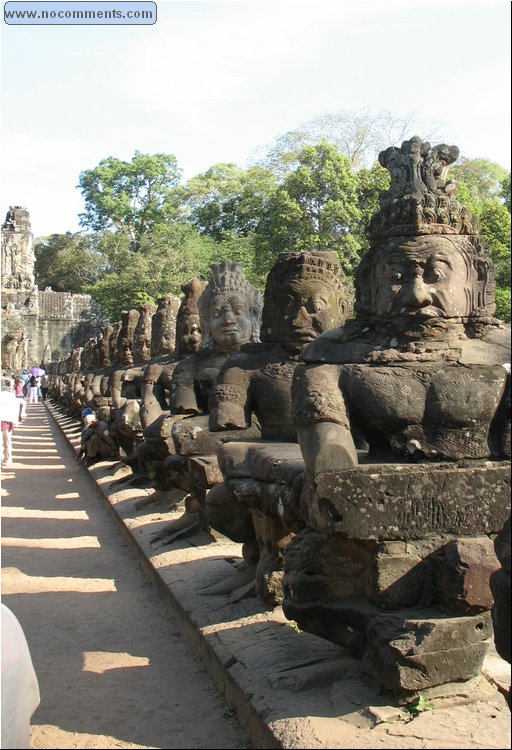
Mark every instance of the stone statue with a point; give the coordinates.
(153, 378)
(230, 315)
(306, 294)
(17, 256)
(163, 327)
(396, 541)
(13, 350)
(125, 426)
(142, 334)
(157, 377)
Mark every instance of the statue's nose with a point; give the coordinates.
(416, 293)
(301, 317)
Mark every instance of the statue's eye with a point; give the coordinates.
(437, 274)
(316, 305)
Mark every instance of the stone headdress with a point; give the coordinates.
(192, 290)
(163, 326)
(421, 201)
(227, 278)
(322, 266)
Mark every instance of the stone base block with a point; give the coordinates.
(404, 501)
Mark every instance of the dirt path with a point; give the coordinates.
(113, 669)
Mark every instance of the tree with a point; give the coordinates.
(316, 207)
(66, 262)
(484, 188)
(360, 135)
(169, 255)
(370, 184)
(226, 199)
(131, 197)
(483, 178)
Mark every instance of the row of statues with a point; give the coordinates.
(356, 445)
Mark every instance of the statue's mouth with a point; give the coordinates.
(421, 312)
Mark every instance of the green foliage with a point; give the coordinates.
(316, 189)
(66, 262)
(503, 304)
(418, 706)
(169, 256)
(495, 229)
(484, 188)
(316, 207)
(226, 199)
(482, 177)
(131, 196)
(370, 184)
(505, 191)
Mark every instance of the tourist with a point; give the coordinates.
(20, 688)
(45, 383)
(34, 388)
(9, 417)
(26, 384)
(96, 443)
(19, 392)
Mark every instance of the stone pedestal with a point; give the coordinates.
(395, 568)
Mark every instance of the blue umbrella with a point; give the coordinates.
(37, 371)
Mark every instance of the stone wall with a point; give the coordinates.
(37, 325)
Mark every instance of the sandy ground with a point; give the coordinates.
(114, 671)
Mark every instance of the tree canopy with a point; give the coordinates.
(316, 188)
(67, 262)
(131, 197)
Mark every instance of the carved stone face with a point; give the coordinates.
(306, 308)
(189, 334)
(424, 277)
(230, 321)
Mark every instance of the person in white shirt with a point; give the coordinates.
(20, 687)
(9, 416)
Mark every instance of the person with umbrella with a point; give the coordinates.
(35, 379)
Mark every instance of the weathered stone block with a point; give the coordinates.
(411, 654)
(403, 501)
(501, 588)
(397, 581)
(462, 569)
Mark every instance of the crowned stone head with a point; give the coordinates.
(188, 324)
(426, 260)
(229, 308)
(306, 294)
(163, 326)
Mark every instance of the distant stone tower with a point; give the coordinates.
(37, 326)
(18, 257)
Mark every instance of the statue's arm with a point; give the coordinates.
(228, 402)
(116, 382)
(152, 400)
(183, 395)
(321, 418)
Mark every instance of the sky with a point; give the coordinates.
(219, 80)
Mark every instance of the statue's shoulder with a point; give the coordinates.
(493, 348)
(187, 364)
(339, 346)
